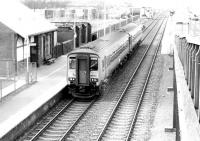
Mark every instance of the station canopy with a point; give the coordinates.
(23, 20)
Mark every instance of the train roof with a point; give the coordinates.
(108, 42)
(132, 28)
(82, 50)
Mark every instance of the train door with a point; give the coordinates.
(42, 46)
(130, 43)
(34, 51)
(83, 70)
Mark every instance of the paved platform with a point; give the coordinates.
(188, 119)
(163, 120)
(15, 108)
(189, 125)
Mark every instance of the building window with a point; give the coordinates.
(22, 51)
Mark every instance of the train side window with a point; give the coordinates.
(72, 63)
(93, 64)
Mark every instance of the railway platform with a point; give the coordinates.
(164, 124)
(21, 109)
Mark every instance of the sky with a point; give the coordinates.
(151, 3)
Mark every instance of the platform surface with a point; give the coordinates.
(189, 125)
(163, 119)
(188, 119)
(16, 107)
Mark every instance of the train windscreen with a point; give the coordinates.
(93, 64)
(72, 63)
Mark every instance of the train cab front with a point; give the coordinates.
(83, 75)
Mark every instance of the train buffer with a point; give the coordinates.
(50, 61)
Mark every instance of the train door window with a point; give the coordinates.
(82, 73)
(103, 63)
(93, 64)
(72, 62)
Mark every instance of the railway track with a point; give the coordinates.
(60, 121)
(139, 122)
(64, 124)
(120, 124)
(148, 26)
(80, 133)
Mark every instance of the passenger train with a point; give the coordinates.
(89, 66)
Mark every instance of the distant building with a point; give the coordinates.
(24, 34)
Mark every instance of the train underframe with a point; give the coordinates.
(82, 91)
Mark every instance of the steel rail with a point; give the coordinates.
(56, 117)
(151, 23)
(125, 90)
(77, 121)
(144, 90)
(51, 121)
(150, 29)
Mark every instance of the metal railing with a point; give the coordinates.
(15, 75)
(189, 54)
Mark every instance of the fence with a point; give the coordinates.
(189, 54)
(62, 48)
(15, 75)
(112, 25)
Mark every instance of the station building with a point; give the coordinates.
(24, 34)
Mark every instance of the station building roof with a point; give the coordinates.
(23, 20)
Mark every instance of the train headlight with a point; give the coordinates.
(94, 79)
(71, 79)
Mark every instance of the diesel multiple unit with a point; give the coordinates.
(89, 66)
